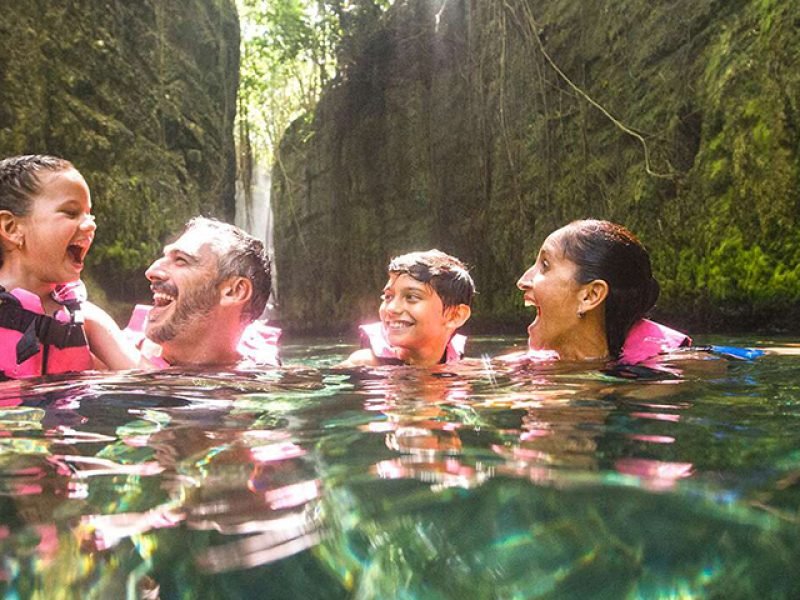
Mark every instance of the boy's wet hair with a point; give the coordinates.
(20, 181)
(239, 254)
(447, 275)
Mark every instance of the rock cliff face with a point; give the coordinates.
(480, 126)
(141, 96)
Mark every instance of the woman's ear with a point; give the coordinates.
(593, 294)
(10, 233)
(235, 290)
(458, 315)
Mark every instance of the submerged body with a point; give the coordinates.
(258, 344)
(645, 340)
(375, 339)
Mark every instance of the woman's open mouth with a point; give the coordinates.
(536, 318)
(530, 302)
(529, 299)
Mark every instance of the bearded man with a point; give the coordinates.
(209, 288)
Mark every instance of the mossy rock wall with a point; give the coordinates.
(141, 97)
(455, 130)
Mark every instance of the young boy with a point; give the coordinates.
(426, 299)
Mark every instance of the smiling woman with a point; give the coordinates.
(592, 285)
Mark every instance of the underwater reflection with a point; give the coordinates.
(475, 480)
(165, 454)
(248, 480)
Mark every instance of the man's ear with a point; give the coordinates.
(458, 315)
(10, 233)
(235, 290)
(592, 295)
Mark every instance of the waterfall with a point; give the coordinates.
(254, 215)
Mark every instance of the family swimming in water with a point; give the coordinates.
(591, 285)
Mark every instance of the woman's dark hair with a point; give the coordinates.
(607, 251)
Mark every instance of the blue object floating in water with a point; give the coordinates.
(737, 352)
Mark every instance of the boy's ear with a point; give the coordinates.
(9, 228)
(235, 290)
(458, 315)
(592, 295)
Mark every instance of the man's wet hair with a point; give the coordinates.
(447, 275)
(239, 254)
(21, 180)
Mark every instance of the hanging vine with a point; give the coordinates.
(532, 28)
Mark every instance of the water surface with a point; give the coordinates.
(476, 481)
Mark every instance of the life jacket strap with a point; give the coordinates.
(37, 329)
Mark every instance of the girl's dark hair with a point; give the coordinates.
(20, 181)
(607, 251)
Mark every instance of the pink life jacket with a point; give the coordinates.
(33, 343)
(374, 337)
(258, 344)
(647, 339)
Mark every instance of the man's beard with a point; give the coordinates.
(189, 307)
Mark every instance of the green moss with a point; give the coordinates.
(141, 99)
(469, 140)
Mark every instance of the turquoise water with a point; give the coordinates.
(479, 481)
